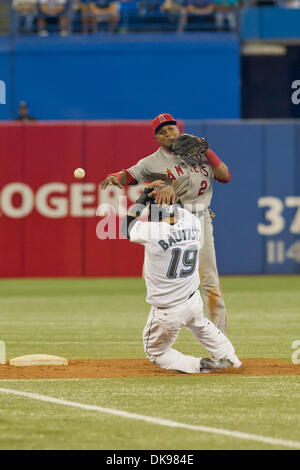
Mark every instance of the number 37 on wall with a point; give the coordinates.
(274, 217)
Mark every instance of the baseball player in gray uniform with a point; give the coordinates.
(172, 238)
(193, 185)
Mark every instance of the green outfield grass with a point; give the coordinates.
(104, 318)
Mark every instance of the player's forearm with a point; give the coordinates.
(127, 224)
(118, 179)
(222, 173)
(135, 212)
(124, 177)
(131, 218)
(220, 170)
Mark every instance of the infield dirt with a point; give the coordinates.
(113, 368)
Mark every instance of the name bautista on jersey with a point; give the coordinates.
(177, 236)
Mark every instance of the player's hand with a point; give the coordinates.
(111, 180)
(166, 196)
(154, 184)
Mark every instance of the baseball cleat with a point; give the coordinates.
(237, 364)
(225, 363)
(207, 364)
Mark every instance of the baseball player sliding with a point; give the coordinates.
(172, 238)
(187, 166)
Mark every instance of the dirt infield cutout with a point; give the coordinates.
(113, 368)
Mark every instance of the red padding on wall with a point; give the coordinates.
(11, 228)
(52, 240)
(48, 218)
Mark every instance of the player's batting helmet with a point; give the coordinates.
(158, 213)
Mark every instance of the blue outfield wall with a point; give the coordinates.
(270, 23)
(128, 76)
(257, 224)
(6, 110)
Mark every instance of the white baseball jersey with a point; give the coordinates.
(171, 258)
(192, 184)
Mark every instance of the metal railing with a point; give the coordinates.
(135, 16)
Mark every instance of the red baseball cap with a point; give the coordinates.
(162, 120)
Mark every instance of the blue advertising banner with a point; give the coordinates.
(257, 224)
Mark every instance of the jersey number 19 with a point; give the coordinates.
(188, 258)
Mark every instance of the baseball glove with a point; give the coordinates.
(190, 148)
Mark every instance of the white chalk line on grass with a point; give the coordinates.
(157, 421)
(72, 342)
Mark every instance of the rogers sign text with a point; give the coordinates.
(57, 200)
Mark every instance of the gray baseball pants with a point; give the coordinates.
(214, 305)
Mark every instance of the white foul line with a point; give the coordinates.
(157, 421)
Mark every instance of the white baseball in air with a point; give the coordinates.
(79, 173)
